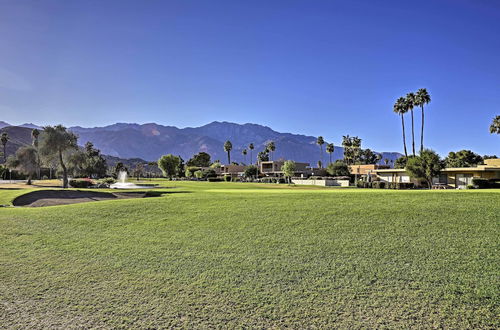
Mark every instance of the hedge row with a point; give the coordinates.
(385, 185)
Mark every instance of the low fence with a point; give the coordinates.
(321, 182)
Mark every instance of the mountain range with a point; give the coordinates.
(150, 141)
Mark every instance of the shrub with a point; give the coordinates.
(227, 178)
(209, 173)
(251, 171)
(494, 183)
(108, 180)
(404, 185)
(80, 183)
(198, 174)
(269, 180)
(378, 185)
(214, 179)
(471, 186)
(480, 183)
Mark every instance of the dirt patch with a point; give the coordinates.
(64, 197)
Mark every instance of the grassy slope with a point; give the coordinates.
(255, 255)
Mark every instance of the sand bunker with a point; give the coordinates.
(64, 197)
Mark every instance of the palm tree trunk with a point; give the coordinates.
(65, 171)
(412, 134)
(251, 159)
(404, 137)
(330, 157)
(4, 154)
(422, 132)
(228, 158)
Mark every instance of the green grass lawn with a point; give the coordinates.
(254, 255)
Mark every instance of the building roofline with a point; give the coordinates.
(390, 170)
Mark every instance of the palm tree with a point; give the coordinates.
(495, 125)
(421, 99)
(410, 104)
(35, 133)
(386, 161)
(320, 142)
(330, 148)
(271, 147)
(400, 109)
(356, 149)
(244, 153)
(4, 139)
(251, 147)
(228, 146)
(347, 145)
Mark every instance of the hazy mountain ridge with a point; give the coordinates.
(149, 141)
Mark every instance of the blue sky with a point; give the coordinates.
(326, 68)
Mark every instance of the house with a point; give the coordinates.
(366, 169)
(273, 168)
(232, 170)
(395, 175)
(460, 177)
(453, 177)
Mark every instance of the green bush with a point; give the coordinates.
(227, 178)
(481, 183)
(404, 185)
(210, 179)
(269, 180)
(471, 186)
(378, 184)
(209, 173)
(494, 183)
(80, 183)
(108, 180)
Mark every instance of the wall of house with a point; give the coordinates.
(452, 177)
(324, 183)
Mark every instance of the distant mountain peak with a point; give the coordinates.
(151, 140)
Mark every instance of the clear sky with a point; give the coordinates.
(326, 68)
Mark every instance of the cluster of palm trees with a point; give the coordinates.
(408, 103)
(330, 148)
(269, 149)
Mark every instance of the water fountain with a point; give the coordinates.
(123, 184)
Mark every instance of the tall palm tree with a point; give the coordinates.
(228, 146)
(410, 104)
(271, 147)
(356, 149)
(35, 133)
(330, 148)
(4, 138)
(320, 141)
(421, 99)
(346, 144)
(244, 153)
(251, 147)
(495, 125)
(400, 109)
